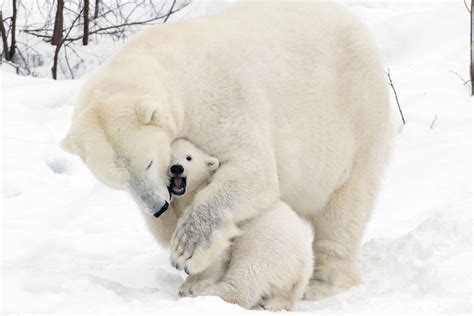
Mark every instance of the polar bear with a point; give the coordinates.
(271, 258)
(291, 99)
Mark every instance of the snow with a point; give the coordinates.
(72, 245)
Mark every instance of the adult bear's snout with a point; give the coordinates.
(152, 198)
(162, 210)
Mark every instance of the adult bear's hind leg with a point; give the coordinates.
(338, 228)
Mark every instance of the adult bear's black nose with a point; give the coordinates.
(177, 169)
(162, 210)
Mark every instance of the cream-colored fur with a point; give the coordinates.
(291, 99)
(270, 260)
(270, 263)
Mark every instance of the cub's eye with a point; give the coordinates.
(189, 158)
(149, 165)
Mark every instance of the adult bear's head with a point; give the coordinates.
(126, 143)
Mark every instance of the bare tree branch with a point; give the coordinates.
(58, 20)
(467, 7)
(396, 96)
(170, 11)
(434, 121)
(100, 30)
(464, 81)
(6, 51)
(66, 57)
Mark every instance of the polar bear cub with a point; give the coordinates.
(269, 262)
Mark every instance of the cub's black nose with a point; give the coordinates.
(162, 210)
(177, 169)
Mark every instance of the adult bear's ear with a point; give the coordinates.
(212, 163)
(147, 113)
(150, 113)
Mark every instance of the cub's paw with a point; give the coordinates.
(230, 294)
(277, 304)
(194, 285)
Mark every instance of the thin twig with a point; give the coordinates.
(26, 66)
(467, 7)
(73, 50)
(434, 121)
(67, 62)
(396, 96)
(465, 82)
(170, 11)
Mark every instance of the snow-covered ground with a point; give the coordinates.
(71, 245)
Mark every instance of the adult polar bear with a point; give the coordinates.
(291, 99)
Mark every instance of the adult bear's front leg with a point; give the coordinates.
(236, 193)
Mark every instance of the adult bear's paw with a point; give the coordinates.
(198, 242)
(331, 276)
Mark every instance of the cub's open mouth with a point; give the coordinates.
(178, 185)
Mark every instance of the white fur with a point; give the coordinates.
(270, 263)
(291, 99)
(270, 260)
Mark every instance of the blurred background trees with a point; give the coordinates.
(64, 39)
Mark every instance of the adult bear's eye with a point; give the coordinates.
(189, 158)
(149, 165)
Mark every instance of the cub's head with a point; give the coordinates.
(190, 167)
(126, 144)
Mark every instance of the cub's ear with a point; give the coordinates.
(70, 145)
(150, 113)
(212, 163)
